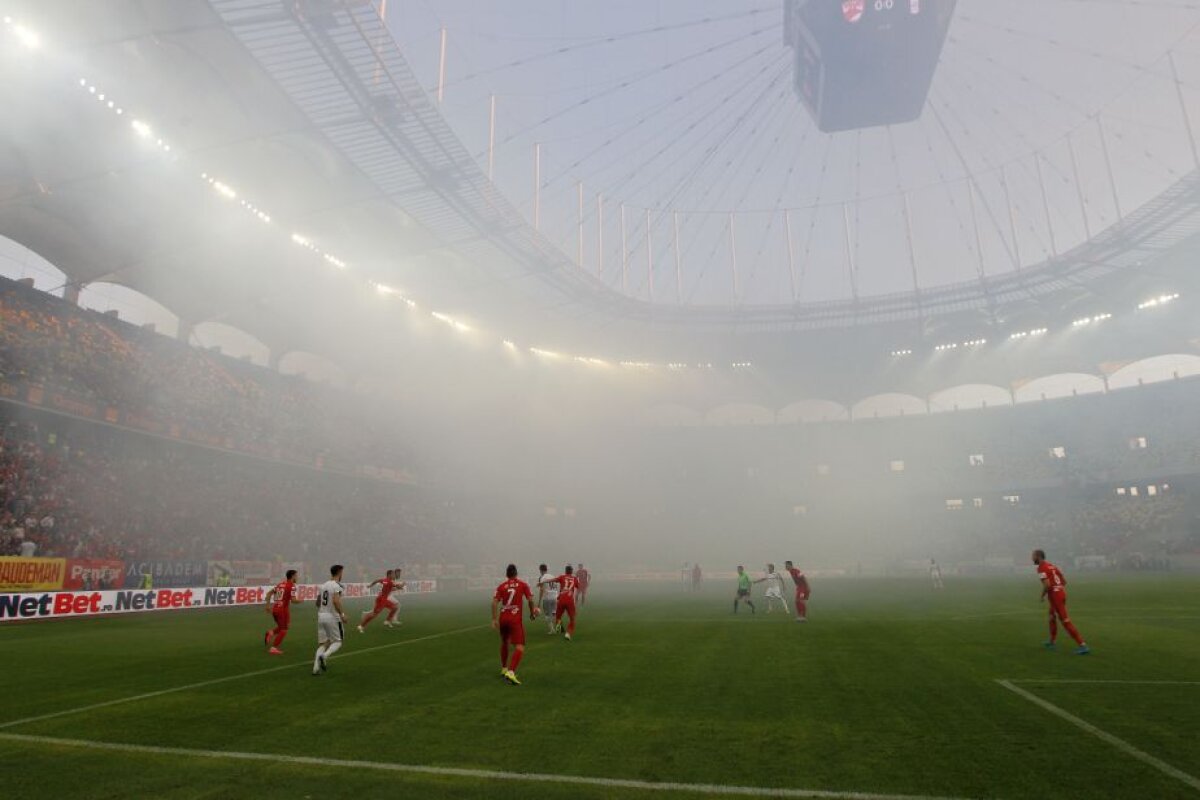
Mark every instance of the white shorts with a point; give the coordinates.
(774, 592)
(548, 605)
(329, 629)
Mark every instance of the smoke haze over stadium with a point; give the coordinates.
(817, 349)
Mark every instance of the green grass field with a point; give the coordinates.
(891, 689)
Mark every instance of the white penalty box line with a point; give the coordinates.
(215, 681)
(1125, 747)
(461, 772)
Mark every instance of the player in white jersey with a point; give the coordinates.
(774, 587)
(935, 575)
(547, 585)
(330, 618)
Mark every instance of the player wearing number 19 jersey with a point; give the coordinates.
(331, 616)
(1054, 590)
(507, 605)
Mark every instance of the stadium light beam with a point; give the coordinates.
(27, 37)
(1161, 300)
(1083, 321)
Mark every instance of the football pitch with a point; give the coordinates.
(890, 690)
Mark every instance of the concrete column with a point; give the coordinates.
(71, 291)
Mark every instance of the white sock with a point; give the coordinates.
(333, 648)
(317, 657)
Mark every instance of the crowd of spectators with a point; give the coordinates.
(96, 358)
(73, 489)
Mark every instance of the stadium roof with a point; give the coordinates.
(310, 114)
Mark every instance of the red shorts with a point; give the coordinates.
(1058, 604)
(802, 593)
(283, 617)
(566, 605)
(512, 630)
(384, 602)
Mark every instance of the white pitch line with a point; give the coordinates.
(460, 772)
(1120, 744)
(226, 679)
(1102, 681)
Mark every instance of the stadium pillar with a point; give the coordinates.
(492, 138)
(71, 291)
(1112, 180)
(791, 254)
(733, 262)
(441, 85)
(1187, 118)
(600, 236)
(184, 333)
(1012, 220)
(649, 257)
(678, 261)
(624, 253)
(537, 186)
(1037, 163)
(1083, 209)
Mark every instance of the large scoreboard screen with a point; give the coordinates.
(862, 63)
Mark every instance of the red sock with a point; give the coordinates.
(1053, 629)
(280, 633)
(801, 607)
(518, 653)
(392, 614)
(503, 654)
(571, 625)
(1070, 626)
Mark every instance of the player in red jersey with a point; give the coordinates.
(506, 618)
(802, 591)
(568, 588)
(279, 606)
(1054, 589)
(387, 584)
(585, 580)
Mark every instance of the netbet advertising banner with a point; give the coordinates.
(20, 574)
(166, 573)
(61, 605)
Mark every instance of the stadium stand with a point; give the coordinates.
(122, 443)
(96, 366)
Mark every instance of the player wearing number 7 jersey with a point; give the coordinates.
(507, 605)
(1054, 590)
